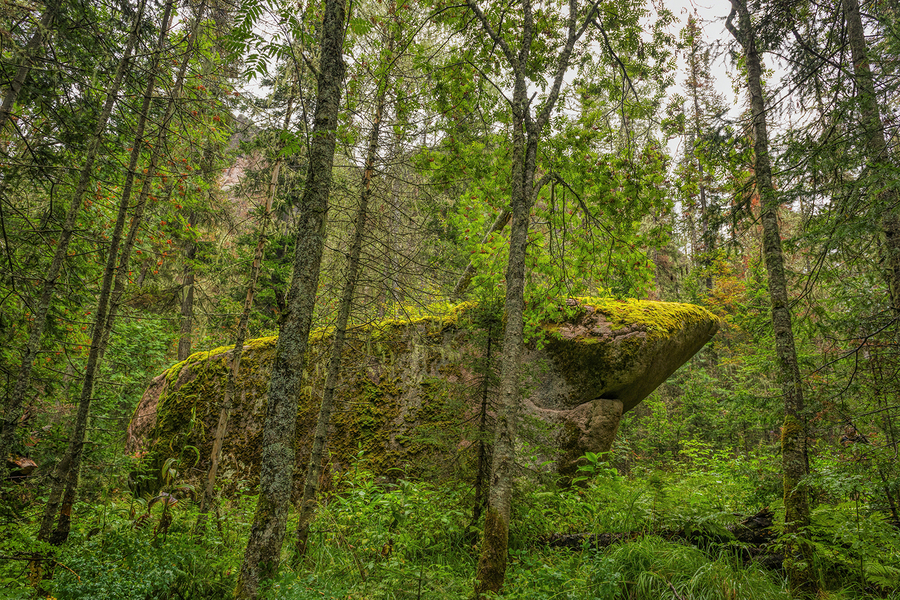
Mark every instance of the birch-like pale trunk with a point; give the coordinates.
(263, 553)
(797, 562)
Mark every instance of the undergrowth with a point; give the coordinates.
(399, 539)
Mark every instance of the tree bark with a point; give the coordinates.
(320, 439)
(706, 239)
(122, 273)
(526, 132)
(227, 402)
(793, 434)
(187, 300)
(263, 553)
(29, 54)
(888, 199)
(492, 561)
(483, 459)
(13, 409)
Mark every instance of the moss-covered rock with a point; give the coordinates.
(404, 401)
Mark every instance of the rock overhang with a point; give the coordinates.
(624, 349)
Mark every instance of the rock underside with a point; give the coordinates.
(410, 391)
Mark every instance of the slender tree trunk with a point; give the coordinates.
(793, 434)
(483, 473)
(189, 273)
(263, 553)
(706, 246)
(13, 409)
(888, 200)
(526, 131)
(394, 285)
(187, 299)
(29, 54)
(225, 410)
(320, 439)
(492, 560)
(64, 481)
(122, 273)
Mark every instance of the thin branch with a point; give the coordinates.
(574, 34)
(489, 80)
(507, 51)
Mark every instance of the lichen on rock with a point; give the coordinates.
(403, 402)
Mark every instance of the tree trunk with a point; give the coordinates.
(526, 131)
(187, 299)
(492, 561)
(64, 480)
(263, 552)
(228, 400)
(793, 434)
(705, 258)
(121, 280)
(13, 409)
(28, 55)
(317, 452)
(483, 472)
(888, 200)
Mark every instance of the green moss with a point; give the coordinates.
(791, 437)
(656, 318)
(368, 411)
(188, 407)
(494, 550)
(640, 353)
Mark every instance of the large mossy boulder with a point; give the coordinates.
(411, 390)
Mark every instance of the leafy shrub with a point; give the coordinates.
(134, 564)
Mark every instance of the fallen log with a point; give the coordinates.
(750, 538)
(20, 468)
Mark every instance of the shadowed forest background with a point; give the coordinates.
(177, 177)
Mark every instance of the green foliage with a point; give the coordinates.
(654, 568)
(381, 538)
(701, 448)
(127, 564)
(852, 543)
(647, 569)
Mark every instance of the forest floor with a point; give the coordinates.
(412, 540)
